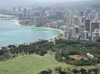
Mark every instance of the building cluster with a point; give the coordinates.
(83, 24)
(76, 23)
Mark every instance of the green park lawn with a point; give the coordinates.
(30, 64)
(74, 56)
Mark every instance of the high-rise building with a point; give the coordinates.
(84, 35)
(77, 21)
(25, 12)
(65, 34)
(97, 31)
(95, 36)
(68, 19)
(75, 32)
(40, 21)
(69, 15)
(94, 25)
(87, 25)
(99, 16)
(68, 33)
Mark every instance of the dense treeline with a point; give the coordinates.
(60, 70)
(78, 47)
(66, 48)
(40, 47)
(63, 49)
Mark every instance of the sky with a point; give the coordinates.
(9, 1)
(58, 0)
(24, 2)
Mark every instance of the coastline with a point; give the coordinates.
(17, 22)
(49, 28)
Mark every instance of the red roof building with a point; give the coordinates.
(80, 57)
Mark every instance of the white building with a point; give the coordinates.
(90, 55)
(75, 32)
(96, 35)
(84, 35)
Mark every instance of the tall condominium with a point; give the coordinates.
(87, 25)
(94, 25)
(77, 21)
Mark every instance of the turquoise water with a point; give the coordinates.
(12, 33)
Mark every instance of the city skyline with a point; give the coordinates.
(49, 37)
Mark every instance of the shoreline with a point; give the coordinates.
(49, 28)
(17, 22)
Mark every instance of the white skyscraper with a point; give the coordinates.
(84, 35)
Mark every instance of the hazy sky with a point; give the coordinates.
(25, 2)
(58, 0)
(1, 1)
(54, 0)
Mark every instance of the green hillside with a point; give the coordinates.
(29, 64)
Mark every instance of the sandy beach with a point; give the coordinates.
(17, 22)
(49, 28)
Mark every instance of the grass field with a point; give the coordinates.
(30, 64)
(74, 56)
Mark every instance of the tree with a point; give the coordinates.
(50, 71)
(83, 71)
(89, 71)
(44, 72)
(58, 69)
(75, 71)
(95, 70)
(1, 52)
